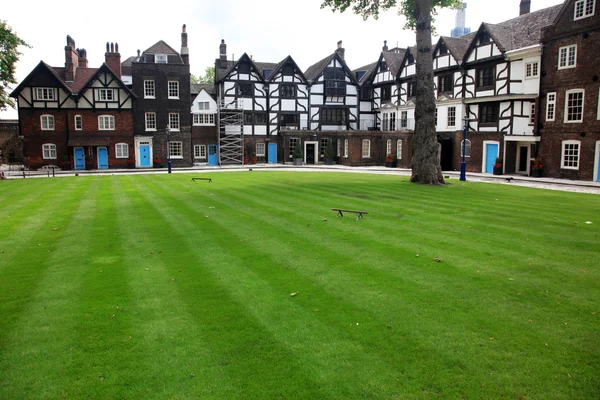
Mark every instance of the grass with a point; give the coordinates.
(152, 286)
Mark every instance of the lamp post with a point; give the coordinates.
(168, 148)
(463, 163)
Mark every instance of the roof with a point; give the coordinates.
(82, 76)
(126, 65)
(394, 60)
(160, 47)
(198, 87)
(41, 67)
(458, 46)
(367, 68)
(278, 66)
(315, 70)
(221, 73)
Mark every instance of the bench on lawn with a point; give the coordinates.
(201, 179)
(341, 211)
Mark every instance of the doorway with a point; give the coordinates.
(310, 152)
(523, 159)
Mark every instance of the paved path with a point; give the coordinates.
(542, 183)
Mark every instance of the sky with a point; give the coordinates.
(269, 30)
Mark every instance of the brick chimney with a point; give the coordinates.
(223, 54)
(185, 52)
(385, 46)
(71, 60)
(525, 7)
(340, 50)
(112, 58)
(82, 59)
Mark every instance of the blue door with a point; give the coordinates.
(102, 158)
(212, 155)
(145, 155)
(79, 154)
(491, 151)
(272, 153)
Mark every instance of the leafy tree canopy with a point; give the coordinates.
(9, 55)
(208, 77)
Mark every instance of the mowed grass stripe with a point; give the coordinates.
(41, 336)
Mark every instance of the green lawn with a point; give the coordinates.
(155, 287)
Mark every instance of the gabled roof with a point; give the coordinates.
(258, 66)
(196, 88)
(368, 69)
(40, 68)
(287, 60)
(160, 47)
(411, 50)
(82, 76)
(393, 60)
(103, 68)
(456, 46)
(317, 69)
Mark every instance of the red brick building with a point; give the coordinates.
(76, 117)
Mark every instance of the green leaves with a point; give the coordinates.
(9, 55)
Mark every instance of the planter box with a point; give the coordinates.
(537, 173)
(298, 161)
(497, 170)
(390, 164)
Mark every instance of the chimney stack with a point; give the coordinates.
(385, 47)
(185, 52)
(71, 60)
(223, 54)
(340, 50)
(525, 7)
(112, 58)
(82, 59)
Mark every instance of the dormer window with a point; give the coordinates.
(584, 9)
(160, 59)
(267, 73)
(483, 38)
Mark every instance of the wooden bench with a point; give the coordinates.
(341, 211)
(201, 179)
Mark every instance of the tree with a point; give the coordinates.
(426, 168)
(209, 76)
(9, 55)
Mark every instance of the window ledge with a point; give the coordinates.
(123, 157)
(174, 130)
(173, 98)
(150, 129)
(150, 97)
(574, 122)
(572, 168)
(176, 158)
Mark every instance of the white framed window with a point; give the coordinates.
(550, 106)
(160, 59)
(339, 145)
(47, 122)
(176, 149)
(451, 117)
(392, 121)
(203, 119)
(388, 147)
(200, 151)
(78, 123)
(49, 151)
(149, 90)
(531, 113)
(531, 70)
(584, 9)
(106, 95)
(399, 149)
(403, 119)
(467, 148)
(385, 124)
(106, 123)
(121, 150)
(293, 143)
(366, 148)
(345, 148)
(173, 89)
(150, 121)
(574, 105)
(45, 94)
(174, 121)
(570, 154)
(567, 57)
(203, 105)
(260, 149)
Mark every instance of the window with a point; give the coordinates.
(160, 58)
(345, 148)
(47, 122)
(584, 9)
(260, 149)
(289, 120)
(248, 118)
(324, 144)
(174, 121)
(244, 89)
(203, 105)
(445, 83)
(466, 146)
(385, 123)
(260, 118)
(106, 95)
(287, 90)
(173, 89)
(403, 119)
(435, 117)
(121, 150)
(150, 121)
(388, 146)
(339, 148)
(78, 123)
(293, 143)
(176, 149)
(550, 106)
(149, 90)
(570, 154)
(366, 93)
(335, 82)
(45, 94)
(200, 151)
(333, 116)
(399, 149)
(392, 121)
(106, 123)
(412, 89)
(485, 78)
(204, 119)
(531, 113)
(49, 151)
(567, 57)
(574, 105)
(488, 113)
(386, 94)
(451, 117)
(531, 70)
(366, 148)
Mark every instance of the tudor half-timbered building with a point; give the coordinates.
(76, 116)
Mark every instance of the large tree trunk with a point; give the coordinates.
(426, 167)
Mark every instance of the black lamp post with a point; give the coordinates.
(463, 163)
(169, 148)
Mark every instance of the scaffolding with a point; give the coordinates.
(231, 132)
